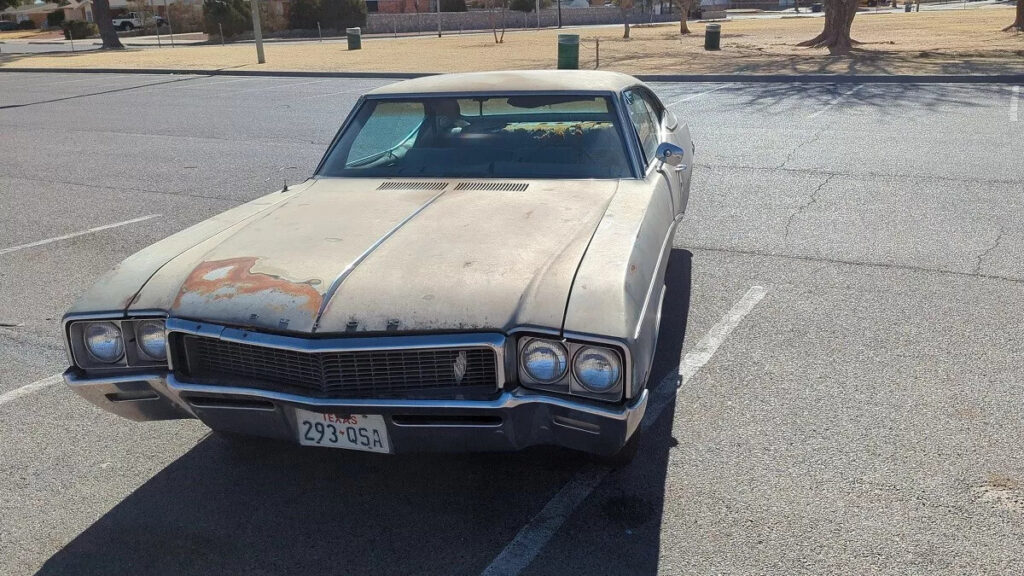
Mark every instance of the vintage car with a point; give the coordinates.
(477, 263)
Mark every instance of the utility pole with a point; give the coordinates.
(257, 31)
(559, 13)
(170, 25)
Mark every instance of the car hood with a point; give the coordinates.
(363, 255)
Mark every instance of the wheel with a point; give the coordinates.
(626, 454)
(127, 27)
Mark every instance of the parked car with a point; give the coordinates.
(133, 20)
(477, 263)
(8, 25)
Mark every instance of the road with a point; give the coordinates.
(851, 259)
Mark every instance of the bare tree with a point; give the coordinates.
(1018, 23)
(684, 12)
(839, 16)
(101, 13)
(624, 7)
(490, 5)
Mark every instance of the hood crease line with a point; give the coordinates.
(366, 254)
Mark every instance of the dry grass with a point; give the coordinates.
(29, 34)
(940, 42)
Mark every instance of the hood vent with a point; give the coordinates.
(393, 185)
(493, 186)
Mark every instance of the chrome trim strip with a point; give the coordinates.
(366, 254)
(495, 342)
(507, 400)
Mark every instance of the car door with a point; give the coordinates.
(649, 132)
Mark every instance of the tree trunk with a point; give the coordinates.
(685, 12)
(625, 23)
(839, 16)
(1018, 23)
(101, 14)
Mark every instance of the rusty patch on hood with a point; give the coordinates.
(233, 278)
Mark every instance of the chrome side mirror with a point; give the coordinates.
(670, 154)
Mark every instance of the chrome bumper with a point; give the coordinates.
(514, 420)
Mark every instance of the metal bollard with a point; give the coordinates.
(713, 37)
(355, 38)
(568, 51)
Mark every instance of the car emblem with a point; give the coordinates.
(460, 367)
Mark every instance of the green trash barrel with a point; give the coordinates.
(568, 51)
(713, 37)
(355, 38)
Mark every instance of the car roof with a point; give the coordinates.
(512, 81)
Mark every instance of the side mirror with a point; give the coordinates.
(670, 154)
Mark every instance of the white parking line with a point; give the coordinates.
(532, 538)
(75, 234)
(835, 101)
(694, 96)
(1014, 99)
(30, 388)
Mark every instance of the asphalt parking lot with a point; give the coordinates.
(846, 312)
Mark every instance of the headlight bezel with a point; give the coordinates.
(569, 384)
(133, 355)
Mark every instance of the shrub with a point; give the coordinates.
(78, 29)
(303, 14)
(55, 18)
(341, 14)
(233, 15)
(185, 17)
(453, 5)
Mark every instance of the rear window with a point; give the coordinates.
(523, 136)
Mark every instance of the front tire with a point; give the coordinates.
(127, 27)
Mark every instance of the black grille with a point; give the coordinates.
(360, 373)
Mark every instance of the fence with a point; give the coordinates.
(481, 20)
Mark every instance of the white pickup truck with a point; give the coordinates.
(133, 20)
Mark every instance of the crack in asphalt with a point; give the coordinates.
(987, 251)
(884, 265)
(235, 201)
(810, 202)
(798, 147)
(125, 89)
(859, 174)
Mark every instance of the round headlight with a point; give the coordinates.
(151, 339)
(104, 342)
(597, 369)
(544, 361)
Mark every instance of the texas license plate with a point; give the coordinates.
(365, 432)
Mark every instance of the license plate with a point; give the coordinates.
(366, 432)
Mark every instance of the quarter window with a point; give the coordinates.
(644, 122)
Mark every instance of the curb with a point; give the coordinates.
(717, 78)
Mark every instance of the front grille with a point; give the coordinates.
(343, 374)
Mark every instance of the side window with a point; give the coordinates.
(389, 125)
(644, 121)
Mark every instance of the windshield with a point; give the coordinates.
(524, 136)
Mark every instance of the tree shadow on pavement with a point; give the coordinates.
(271, 508)
(884, 98)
